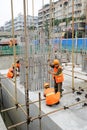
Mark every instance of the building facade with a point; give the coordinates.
(19, 23)
(61, 9)
(46, 14)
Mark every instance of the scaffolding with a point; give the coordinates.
(34, 65)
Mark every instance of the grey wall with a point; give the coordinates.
(18, 115)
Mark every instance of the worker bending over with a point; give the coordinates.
(57, 76)
(51, 97)
(15, 69)
(10, 73)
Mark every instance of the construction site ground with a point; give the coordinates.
(70, 113)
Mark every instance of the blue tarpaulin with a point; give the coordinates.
(79, 43)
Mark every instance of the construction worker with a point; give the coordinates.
(51, 97)
(12, 42)
(10, 73)
(18, 65)
(57, 76)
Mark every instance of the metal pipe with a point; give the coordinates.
(13, 99)
(22, 109)
(34, 118)
(22, 105)
(18, 124)
(76, 77)
(26, 57)
(8, 109)
(27, 10)
(49, 36)
(40, 110)
(14, 51)
(43, 13)
(75, 72)
(33, 11)
(59, 109)
(73, 46)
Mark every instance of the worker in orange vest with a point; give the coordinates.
(12, 42)
(51, 97)
(57, 76)
(18, 65)
(10, 73)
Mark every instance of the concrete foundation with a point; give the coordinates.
(74, 118)
(2, 125)
(84, 63)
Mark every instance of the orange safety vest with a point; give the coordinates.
(17, 65)
(59, 78)
(51, 96)
(10, 73)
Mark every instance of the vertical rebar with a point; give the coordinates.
(1, 98)
(40, 110)
(33, 14)
(14, 51)
(26, 66)
(86, 20)
(49, 36)
(27, 10)
(33, 34)
(43, 12)
(73, 89)
(33, 9)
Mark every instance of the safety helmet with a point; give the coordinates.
(46, 85)
(56, 62)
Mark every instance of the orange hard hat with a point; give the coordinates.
(56, 62)
(46, 85)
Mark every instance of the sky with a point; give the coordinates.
(5, 8)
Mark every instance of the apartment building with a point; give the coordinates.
(61, 9)
(46, 14)
(19, 23)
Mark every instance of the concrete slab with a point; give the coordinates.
(2, 125)
(74, 118)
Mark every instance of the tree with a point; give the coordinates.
(56, 22)
(83, 17)
(31, 27)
